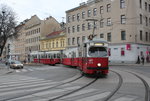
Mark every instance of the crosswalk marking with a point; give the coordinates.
(81, 92)
(17, 79)
(95, 97)
(26, 86)
(29, 69)
(24, 70)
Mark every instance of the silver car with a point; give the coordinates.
(16, 65)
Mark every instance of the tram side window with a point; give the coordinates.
(64, 56)
(45, 55)
(54, 55)
(58, 55)
(73, 54)
(49, 56)
(42, 56)
(97, 51)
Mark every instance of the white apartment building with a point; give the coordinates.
(125, 24)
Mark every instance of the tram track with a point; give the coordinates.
(147, 88)
(117, 87)
(144, 82)
(76, 90)
(41, 90)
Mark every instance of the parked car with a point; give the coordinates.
(16, 65)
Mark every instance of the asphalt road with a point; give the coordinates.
(61, 83)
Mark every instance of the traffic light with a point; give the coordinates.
(8, 48)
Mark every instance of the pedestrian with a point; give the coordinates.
(138, 60)
(142, 58)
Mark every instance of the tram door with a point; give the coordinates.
(84, 57)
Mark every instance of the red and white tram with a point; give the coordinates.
(50, 58)
(91, 57)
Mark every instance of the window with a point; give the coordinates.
(68, 29)
(68, 41)
(78, 17)
(141, 19)
(122, 3)
(68, 19)
(109, 37)
(149, 8)
(83, 15)
(101, 23)
(97, 51)
(89, 13)
(123, 19)
(146, 35)
(108, 7)
(83, 38)
(78, 40)
(73, 18)
(122, 52)
(78, 28)
(39, 30)
(145, 6)
(53, 44)
(140, 1)
(57, 44)
(73, 29)
(141, 38)
(73, 41)
(123, 35)
(83, 27)
(95, 25)
(146, 21)
(50, 45)
(94, 12)
(89, 25)
(101, 35)
(108, 21)
(101, 9)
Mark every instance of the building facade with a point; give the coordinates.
(32, 35)
(19, 43)
(54, 41)
(125, 24)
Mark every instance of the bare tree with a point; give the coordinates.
(7, 25)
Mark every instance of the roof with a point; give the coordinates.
(54, 34)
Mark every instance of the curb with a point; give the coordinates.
(139, 65)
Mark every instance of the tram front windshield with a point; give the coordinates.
(97, 51)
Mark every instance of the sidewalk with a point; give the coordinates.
(129, 64)
(5, 70)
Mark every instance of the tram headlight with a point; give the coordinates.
(99, 64)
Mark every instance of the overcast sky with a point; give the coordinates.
(42, 8)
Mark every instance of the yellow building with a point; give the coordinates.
(53, 41)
